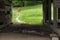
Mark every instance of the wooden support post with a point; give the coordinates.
(46, 11)
(54, 15)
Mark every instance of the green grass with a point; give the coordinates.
(29, 14)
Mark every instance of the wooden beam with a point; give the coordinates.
(46, 11)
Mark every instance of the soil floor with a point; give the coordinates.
(18, 36)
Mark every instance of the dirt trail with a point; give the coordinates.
(18, 15)
(19, 21)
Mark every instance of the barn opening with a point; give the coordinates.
(27, 12)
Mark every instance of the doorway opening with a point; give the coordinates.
(27, 12)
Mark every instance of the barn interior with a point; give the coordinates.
(48, 26)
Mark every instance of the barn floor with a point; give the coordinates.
(18, 36)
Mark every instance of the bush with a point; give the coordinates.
(30, 3)
(18, 3)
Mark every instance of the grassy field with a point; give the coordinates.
(29, 14)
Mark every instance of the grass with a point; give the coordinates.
(29, 14)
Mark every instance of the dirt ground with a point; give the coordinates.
(18, 36)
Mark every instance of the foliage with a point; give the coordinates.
(16, 3)
(20, 3)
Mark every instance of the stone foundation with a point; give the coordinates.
(5, 12)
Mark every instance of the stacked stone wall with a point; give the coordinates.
(5, 12)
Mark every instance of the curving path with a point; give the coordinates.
(17, 18)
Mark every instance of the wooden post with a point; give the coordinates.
(46, 11)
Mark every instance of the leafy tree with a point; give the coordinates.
(20, 3)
